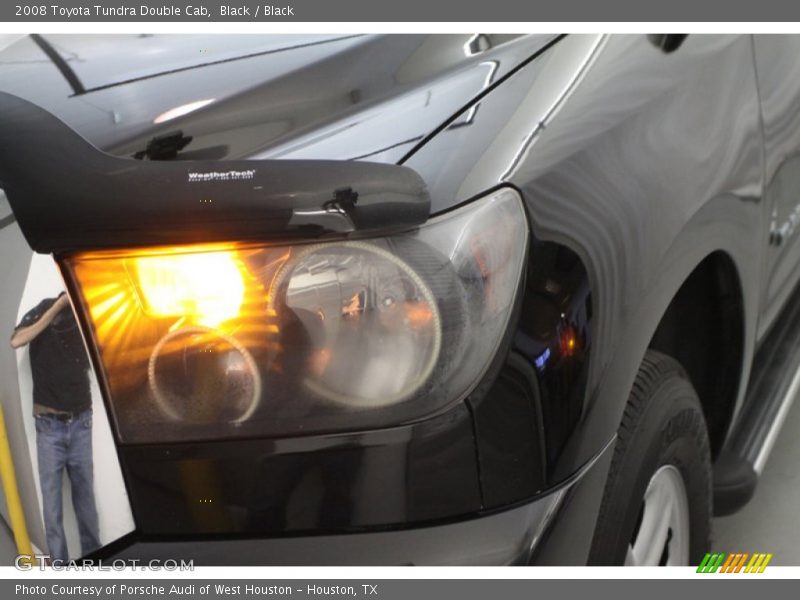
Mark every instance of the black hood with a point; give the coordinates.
(273, 96)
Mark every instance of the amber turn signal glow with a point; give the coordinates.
(207, 288)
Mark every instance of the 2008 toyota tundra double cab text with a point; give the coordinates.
(471, 299)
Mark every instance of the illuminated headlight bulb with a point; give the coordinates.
(372, 323)
(207, 287)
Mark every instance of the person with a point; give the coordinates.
(62, 408)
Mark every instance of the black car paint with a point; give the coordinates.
(588, 178)
(635, 166)
(299, 96)
(779, 88)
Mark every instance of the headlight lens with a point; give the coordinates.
(204, 342)
(373, 324)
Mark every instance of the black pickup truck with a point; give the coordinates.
(446, 299)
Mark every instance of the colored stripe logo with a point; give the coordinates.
(736, 562)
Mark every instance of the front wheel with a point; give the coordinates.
(656, 506)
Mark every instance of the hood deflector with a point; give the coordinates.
(67, 195)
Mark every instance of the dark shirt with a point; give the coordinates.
(59, 365)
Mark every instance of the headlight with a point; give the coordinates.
(204, 342)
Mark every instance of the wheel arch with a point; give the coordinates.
(703, 328)
(712, 260)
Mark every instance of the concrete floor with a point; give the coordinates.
(769, 523)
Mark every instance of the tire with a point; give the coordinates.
(662, 442)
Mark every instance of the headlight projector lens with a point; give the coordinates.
(373, 323)
(199, 376)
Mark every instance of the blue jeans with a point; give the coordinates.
(67, 445)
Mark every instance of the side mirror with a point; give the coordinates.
(667, 42)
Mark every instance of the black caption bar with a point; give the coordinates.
(460, 11)
(388, 589)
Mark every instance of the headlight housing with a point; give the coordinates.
(217, 341)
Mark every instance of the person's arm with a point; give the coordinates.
(26, 334)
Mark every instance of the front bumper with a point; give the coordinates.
(554, 528)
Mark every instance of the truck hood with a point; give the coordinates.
(280, 96)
